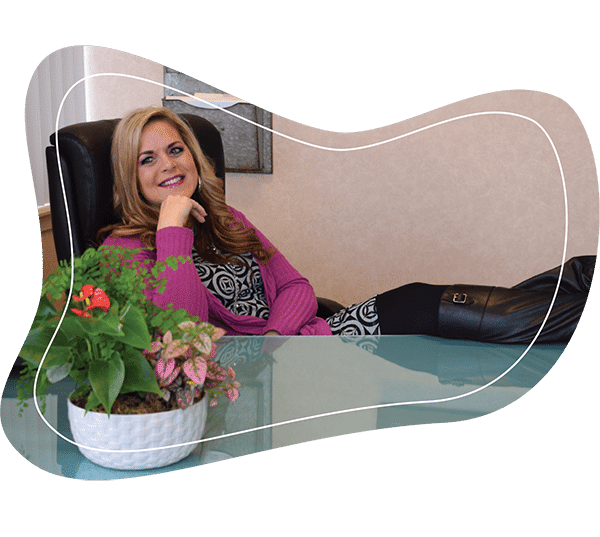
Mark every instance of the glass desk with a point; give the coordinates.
(297, 389)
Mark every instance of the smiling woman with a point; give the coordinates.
(231, 275)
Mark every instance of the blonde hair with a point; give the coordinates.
(221, 228)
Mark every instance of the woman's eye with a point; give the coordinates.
(176, 150)
(145, 160)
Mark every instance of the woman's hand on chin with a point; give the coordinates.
(175, 211)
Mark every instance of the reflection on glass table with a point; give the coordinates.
(297, 389)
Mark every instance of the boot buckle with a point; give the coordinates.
(459, 298)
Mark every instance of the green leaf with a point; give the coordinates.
(45, 308)
(43, 384)
(135, 332)
(92, 401)
(107, 324)
(81, 391)
(106, 379)
(139, 375)
(41, 334)
(79, 375)
(73, 326)
(38, 340)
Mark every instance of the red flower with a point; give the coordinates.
(92, 297)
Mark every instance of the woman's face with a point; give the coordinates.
(165, 164)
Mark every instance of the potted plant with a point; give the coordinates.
(144, 374)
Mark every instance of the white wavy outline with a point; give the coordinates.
(357, 148)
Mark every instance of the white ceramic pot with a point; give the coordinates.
(135, 437)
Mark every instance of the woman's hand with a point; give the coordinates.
(177, 210)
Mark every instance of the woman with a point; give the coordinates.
(172, 203)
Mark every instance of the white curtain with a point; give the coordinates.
(49, 84)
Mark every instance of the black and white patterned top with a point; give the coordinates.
(239, 288)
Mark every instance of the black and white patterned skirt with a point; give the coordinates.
(357, 320)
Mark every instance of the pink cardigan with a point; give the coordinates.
(291, 298)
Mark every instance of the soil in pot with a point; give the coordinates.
(133, 403)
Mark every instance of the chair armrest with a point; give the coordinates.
(327, 307)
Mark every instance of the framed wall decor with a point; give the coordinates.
(247, 142)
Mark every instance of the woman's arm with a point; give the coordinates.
(293, 302)
(183, 287)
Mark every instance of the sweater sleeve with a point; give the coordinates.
(292, 301)
(183, 288)
(295, 302)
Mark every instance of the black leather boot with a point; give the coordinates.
(501, 315)
(576, 277)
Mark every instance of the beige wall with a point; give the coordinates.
(477, 200)
(108, 97)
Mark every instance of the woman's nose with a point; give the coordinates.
(167, 162)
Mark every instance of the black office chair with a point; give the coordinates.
(84, 151)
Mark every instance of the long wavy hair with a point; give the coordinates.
(221, 236)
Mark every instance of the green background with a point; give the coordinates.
(530, 467)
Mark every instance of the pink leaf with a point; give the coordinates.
(187, 325)
(195, 369)
(218, 373)
(175, 348)
(217, 334)
(170, 378)
(203, 343)
(164, 368)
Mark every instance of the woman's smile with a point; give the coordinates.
(172, 182)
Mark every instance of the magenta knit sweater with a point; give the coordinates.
(291, 298)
